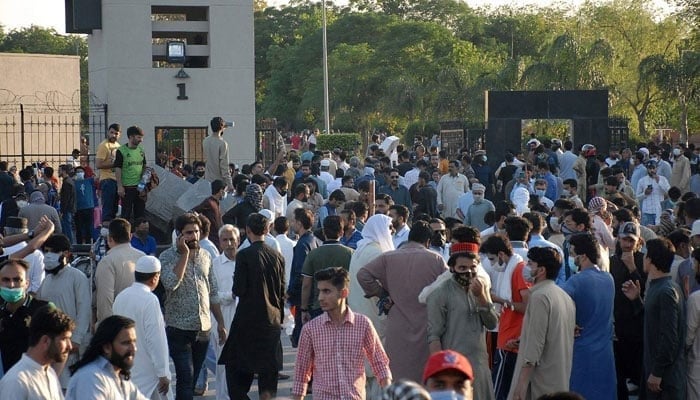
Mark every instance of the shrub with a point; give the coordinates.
(345, 141)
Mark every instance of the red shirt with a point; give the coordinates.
(296, 142)
(511, 321)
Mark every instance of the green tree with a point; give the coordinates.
(679, 76)
(634, 35)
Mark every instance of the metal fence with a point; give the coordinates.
(48, 132)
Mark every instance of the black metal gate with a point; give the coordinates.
(48, 132)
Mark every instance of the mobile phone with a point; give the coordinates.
(650, 187)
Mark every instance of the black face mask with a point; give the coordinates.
(283, 193)
(464, 278)
(200, 174)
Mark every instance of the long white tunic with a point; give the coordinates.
(29, 380)
(151, 359)
(223, 269)
(449, 189)
(99, 381)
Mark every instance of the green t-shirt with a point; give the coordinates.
(131, 161)
(326, 256)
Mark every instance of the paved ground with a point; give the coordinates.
(284, 387)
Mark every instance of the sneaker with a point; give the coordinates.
(282, 377)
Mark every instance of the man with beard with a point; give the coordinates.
(49, 342)
(192, 291)
(399, 217)
(627, 263)
(104, 370)
(69, 290)
(104, 161)
(546, 341)
(129, 166)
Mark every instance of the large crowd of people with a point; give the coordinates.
(559, 273)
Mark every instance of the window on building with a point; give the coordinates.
(184, 143)
(189, 24)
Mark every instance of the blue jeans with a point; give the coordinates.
(67, 226)
(648, 219)
(187, 349)
(109, 199)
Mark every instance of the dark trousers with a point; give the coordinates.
(238, 383)
(294, 338)
(83, 225)
(133, 205)
(502, 372)
(628, 365)
(110, 199)
(188, 350)
(67, 226)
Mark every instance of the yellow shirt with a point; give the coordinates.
(107, 151)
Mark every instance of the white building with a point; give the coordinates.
(128, 71)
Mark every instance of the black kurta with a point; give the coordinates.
(253, 344)
(664, 338)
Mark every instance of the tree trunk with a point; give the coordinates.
(684, 119)
(641, 120)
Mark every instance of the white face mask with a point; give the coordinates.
(676, 152)
(80, 175)
(527, 274)
(498, 265)
(554, 224)
(51, 260)
(104, 232)
(21, 203)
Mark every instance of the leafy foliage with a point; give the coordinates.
(344, 141)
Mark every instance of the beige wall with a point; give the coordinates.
(49, 88)
(121, 74)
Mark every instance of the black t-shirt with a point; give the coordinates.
(14, 330)
(506, 173)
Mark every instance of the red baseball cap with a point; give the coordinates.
(446, 360)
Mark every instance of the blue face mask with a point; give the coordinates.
(446, 395)
(12, 295)
(540, 192)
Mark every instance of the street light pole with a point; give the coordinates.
(326, 107)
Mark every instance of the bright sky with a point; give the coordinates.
(51, 13)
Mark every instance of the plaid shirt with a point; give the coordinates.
(335, 354)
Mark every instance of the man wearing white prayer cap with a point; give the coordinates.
(151, 370)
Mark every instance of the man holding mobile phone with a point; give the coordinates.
(651, 190)
(192, 288)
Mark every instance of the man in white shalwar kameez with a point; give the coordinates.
(376, 239)
(68, 289)
(449, 189)
(151, 370)
(224, 267)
